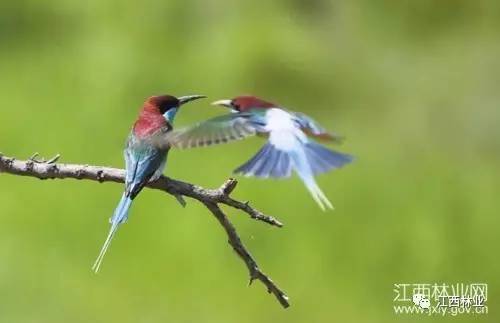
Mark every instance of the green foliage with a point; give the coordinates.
(413, 86)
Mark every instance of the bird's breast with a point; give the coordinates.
(284, 133)
(278, 119)
(147, 126)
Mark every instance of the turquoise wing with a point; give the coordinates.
(143, 162)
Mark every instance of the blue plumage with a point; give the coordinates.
(322, 159)
(121, 212)
(270, 161)
(145, 155)
(307, 159)
(144, 162)
(290, 141)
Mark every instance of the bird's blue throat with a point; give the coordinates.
(170, 115)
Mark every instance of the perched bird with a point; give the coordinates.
(145, 155)
(290, 145)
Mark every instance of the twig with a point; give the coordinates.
(211, 198)
(253, 268)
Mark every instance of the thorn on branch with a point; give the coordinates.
(181, 200)
(228, 187)
(253, 276)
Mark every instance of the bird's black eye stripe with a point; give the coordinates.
(168, 104)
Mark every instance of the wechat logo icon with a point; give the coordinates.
(421, 300)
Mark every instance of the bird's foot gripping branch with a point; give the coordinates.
(211, 198)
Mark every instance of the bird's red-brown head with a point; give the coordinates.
(161, 104)
(244, 103)
(159, 111)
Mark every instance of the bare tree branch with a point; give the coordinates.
(211, 198)
(253, 268)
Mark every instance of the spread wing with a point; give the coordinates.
(312, 128)
(214, 131)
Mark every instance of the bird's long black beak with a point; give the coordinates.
(223, 103)
(188, 98)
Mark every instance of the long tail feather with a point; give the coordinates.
(120, 216)
(102, 253)
(316, 193)
(301, 165)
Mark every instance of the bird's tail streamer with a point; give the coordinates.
(308, 160)
(314, 160)
(120, 215)
(301, 164)
(316, 193)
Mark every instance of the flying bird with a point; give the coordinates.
(145, 155)
(290, 142)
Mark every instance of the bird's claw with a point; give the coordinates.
(34, 158)
(53, 159)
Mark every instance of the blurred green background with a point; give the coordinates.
(414, 86)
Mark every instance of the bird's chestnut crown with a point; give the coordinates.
(244, 102)
(164, 102)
